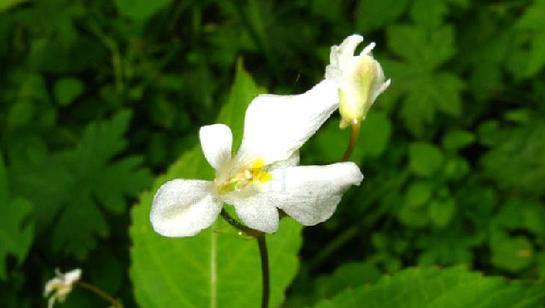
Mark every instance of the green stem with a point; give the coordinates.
(354, 133)
(265, 275)
(100, 293)
(263, 254)
(111, 44)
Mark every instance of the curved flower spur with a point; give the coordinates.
(264, 175)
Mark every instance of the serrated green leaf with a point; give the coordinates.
(374, 14)
(74, 186)
(348, 275)
(432, 287)
(212, 269)
(418, 81)
(16, 225)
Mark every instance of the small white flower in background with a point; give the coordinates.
(58, 288)
(264, 175)
(360, 78)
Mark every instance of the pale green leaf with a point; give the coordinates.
(440, 288)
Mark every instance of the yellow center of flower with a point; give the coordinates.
(250, 174)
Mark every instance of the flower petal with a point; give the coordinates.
(72, 276)
(216, 143)
(278, 125)
(310, 194)
(256, 213)
(184, 208)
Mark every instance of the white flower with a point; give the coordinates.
(263, 176)
(360, 78)
(61, 285)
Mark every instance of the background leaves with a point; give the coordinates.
(97, 96)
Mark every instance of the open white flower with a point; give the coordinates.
(264, 175)
(58, 288)
(360, 78)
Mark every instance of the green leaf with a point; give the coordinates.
(423, 88)
(348, 275)
(441, 211)
(520, 152)
(330, 142)
(76, 185)
(418, 194)
(140, 9)
(66, 90)
(432, 287)
(533, 48)
(7, 4)
(424, 158)
(214, 268)
(16, 225)
(512, 253)
(458, 139)
(374, 14)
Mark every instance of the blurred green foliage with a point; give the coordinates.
(95, 97)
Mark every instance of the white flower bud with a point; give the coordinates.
(360, 79)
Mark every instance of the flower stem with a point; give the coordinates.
(265, 275)
(100, 293)
(233, 222)
(263, 253)
(354, 133)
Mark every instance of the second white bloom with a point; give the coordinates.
(361, 79)
(264, 175)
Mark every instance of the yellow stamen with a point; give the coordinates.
(254, 173)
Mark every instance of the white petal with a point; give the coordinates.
(278, 125)
(216, 142)
(184, 208)
(310, 194)
(290, 162)
(256, 213)
(72, 276)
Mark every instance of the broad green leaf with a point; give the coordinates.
(424, 158)
(216, 268)
(16, 225)
(438, 288)
(140, 9)
(67, 89)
